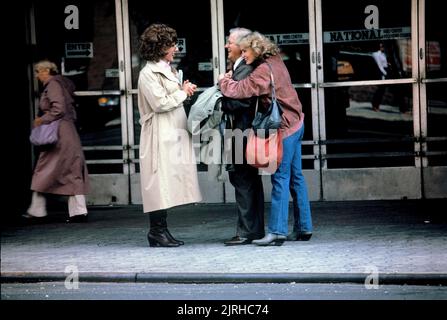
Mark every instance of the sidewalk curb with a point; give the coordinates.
(359, 278)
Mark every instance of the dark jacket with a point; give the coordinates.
(242, 110)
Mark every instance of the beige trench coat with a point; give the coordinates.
(167, 163)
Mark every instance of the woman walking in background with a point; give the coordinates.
(61, 168)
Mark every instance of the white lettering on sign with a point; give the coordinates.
(112, 73)
(372, 21)
(367, 35)
(72, 20)
(205, 66)
(284, 39)
(79, 50)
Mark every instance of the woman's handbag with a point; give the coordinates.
(264, 152)
(45, 134)
(271, 119)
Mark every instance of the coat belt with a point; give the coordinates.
(147, 119)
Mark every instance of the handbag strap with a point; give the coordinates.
(272, 81)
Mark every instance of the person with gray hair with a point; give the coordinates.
(247, 183)
(61, 168)
(263, 55)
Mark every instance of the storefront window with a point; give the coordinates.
(194, 34)
(367, 40)
(80, 37)
(194, 58)
(357, 36)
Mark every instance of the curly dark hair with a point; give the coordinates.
(155, 41)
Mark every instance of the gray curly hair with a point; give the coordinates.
(239, 33)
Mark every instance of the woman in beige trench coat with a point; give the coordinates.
(167, 164)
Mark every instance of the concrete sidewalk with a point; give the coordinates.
(402, 241)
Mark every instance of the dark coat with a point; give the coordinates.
(60, 169)
(242, 110)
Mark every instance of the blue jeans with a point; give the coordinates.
(289, 176)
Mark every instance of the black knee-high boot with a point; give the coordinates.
(158, 235)
(170, 236)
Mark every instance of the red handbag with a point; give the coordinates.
(264, 152)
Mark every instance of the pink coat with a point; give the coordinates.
(258, 84)
(60, 169)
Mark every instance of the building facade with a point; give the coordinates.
(367, 136)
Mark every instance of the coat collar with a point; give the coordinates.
(158, 68)
(238, 62)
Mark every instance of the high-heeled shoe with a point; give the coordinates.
(158, 235)
(270, 238)
(304, 236)
(160, 239)
(299, 236)
(171, 237)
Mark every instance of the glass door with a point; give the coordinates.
(82, 37)
(433, 69)
(368, 99)
(195, 58)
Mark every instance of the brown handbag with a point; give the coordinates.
(263, 152)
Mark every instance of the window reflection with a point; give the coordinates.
(350, 113)
(296, 59)
(99, 120)
(348, 62)
(436, 124)
(368, 126)
(350, 44)
(436, 41)
(87, 55)
(359, 136)
(195, 50)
